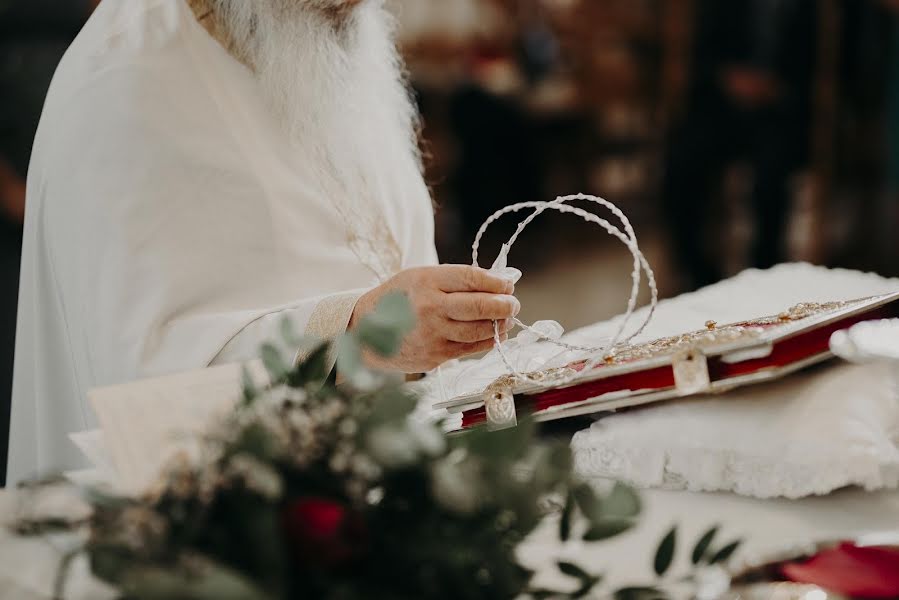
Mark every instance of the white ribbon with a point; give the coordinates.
(627, 237)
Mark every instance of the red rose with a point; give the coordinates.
(322, 531)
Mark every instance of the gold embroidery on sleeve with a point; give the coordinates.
(329, 319)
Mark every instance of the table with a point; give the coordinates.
(27, 567)
(765, 525)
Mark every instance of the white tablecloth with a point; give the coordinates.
(27, 567)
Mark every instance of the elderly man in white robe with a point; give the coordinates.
(205, 168)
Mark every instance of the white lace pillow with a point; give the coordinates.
(808, 434)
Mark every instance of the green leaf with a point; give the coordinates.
(395, 311)
(349, 356)
(384, 329)
(257, 441)
(274, 362)
(315, 368)
(702, 546)
(726, 552)
(98, 498)
(639, 593)
(391, 407)
(248, 387)
(665, 553)
(587, 587)
(109, 561)
(64, 571)
(572, 570)
(565, 521)
(210, 582)
(588, 502)
(607, 528)
(623, 501)
(383, 342)
(559, 457)
(48, 526)
(289, 334)
(507, 444)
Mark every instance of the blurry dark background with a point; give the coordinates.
(734, 133)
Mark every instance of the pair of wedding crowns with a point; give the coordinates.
(626, 236)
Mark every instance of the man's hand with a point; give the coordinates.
(455, 307)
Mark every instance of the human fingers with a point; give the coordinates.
(475, 331)
(463, 278)
(478, 306)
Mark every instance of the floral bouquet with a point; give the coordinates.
(322, 489)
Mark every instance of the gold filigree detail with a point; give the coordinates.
(546, 377)
(712, 336)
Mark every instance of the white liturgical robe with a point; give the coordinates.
(171, 224)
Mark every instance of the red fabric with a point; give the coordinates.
(868, 572)
(654, 379)
(792, 350)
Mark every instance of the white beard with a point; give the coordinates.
(334, 80)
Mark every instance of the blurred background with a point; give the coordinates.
(733, 133)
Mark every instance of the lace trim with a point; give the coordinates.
(701, 470)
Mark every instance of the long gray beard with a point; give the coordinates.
(331, 73)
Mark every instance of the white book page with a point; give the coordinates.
(145, 424)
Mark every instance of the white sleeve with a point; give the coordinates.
(324, 318)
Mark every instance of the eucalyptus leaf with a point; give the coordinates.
(289, 334)
(382, 341)
(665, 553)
(394, 311)
(607, 528)
(104, 500)
(639, 593)
(622, 501)
(274, 362)
(210, 582)
(391, 407)
(506, 444)
(314, 369)
(702, 546)
(42, 527)
(542, 594)
(565, 520)
(384, 329)
(588, 502)
(63, 572)
(587, 586)
(725, 553)
(257, 441)
(349, 357)
(248, 386)
(573, 570)
(109, 562)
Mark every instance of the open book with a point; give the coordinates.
(714, 360)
